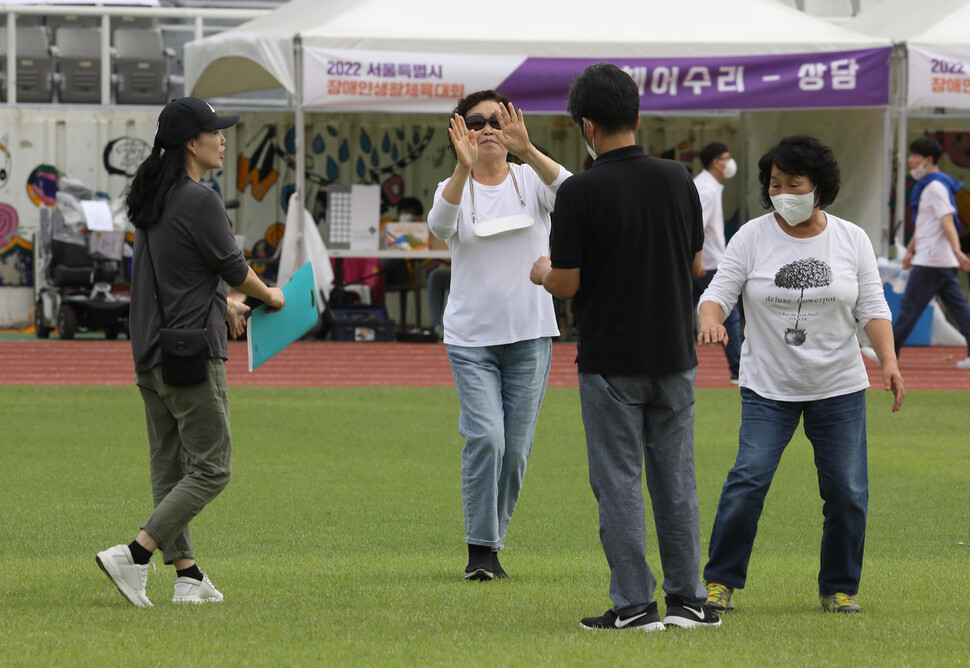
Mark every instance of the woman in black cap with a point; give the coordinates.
(184, 256)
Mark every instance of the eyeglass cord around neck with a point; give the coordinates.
(471, 186)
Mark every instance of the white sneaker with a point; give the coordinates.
(870, 354)
(190, 590)
(130, 578)
(965, 364)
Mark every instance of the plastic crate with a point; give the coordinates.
(362, 323)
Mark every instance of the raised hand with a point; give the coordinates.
(512, 135)
(465, 142)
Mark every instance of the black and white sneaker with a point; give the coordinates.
(688, 616)
(648, 620)
(480, 563)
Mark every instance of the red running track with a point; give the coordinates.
(330, 364)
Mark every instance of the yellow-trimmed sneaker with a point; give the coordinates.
(718, 597)
(839, 603)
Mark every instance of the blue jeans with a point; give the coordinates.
(836, 427)
(500, 389)
(631, 421)
(732, 323)
(924, 283)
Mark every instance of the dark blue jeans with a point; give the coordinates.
(732, 323)
(925, 283)
(836, 427)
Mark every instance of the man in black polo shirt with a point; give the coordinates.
(625, 235)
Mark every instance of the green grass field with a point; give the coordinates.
(340, 541)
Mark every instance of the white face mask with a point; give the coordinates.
(589, 148)
(920, 172)
(795, 209)
(406, 218)
(730, 168)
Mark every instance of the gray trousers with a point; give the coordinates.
(190, 453)
(629, 421)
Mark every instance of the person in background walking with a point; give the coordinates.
(718, 165)
(933, 253)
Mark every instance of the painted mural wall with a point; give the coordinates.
(406, 155)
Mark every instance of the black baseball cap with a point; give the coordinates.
(185, 118)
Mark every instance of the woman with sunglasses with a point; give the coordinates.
(498, 325)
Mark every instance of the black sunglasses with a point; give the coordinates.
(477, 122)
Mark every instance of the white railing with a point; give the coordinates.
(106, 12)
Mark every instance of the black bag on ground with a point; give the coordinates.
(185, 356)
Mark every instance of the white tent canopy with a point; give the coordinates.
(699, 55)
(534, 28)
(937, 38)
(937, 63)
(951, 30)
(900, 20)
(144, 3)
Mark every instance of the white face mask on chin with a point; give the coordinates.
(920, 172)
(795, 209)
(589, 148)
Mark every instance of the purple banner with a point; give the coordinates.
(780, 81)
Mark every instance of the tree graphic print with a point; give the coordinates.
(799, 275)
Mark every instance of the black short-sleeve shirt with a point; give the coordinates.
(632, 225)
(194, 254)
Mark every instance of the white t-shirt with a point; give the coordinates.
(709, 189)
(932, 248)
(492, 301)
(800, 344)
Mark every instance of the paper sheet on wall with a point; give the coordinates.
(365, 208)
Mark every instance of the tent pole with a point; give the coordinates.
(885, 239)
(901, 149)
(300, 122)
(744, 151)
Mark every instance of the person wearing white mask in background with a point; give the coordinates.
(806, 277)
(718, 165)
(933, 254)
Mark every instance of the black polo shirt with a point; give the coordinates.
(194, 254)
(631, 224)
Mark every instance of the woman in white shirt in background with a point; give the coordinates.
(494, 216)
(806, 277)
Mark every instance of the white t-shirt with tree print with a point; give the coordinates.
(802, 299)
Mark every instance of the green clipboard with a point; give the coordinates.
(269, 333)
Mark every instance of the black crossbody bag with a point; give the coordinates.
(185, 352)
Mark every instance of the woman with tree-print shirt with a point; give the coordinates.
(806, 278)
